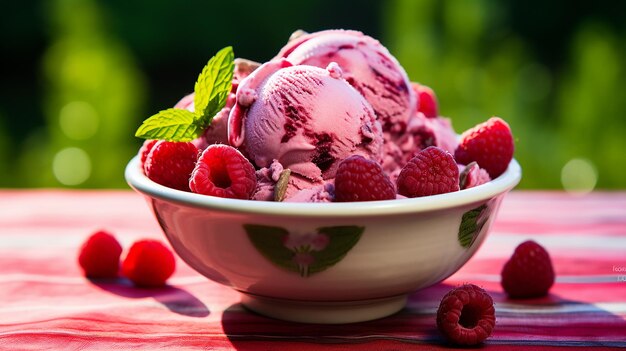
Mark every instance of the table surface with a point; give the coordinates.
(46, 303)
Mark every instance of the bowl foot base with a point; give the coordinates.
(324, 312)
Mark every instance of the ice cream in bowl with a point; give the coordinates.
(322, 185)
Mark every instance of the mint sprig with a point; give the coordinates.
(211, 92)
(214, 83)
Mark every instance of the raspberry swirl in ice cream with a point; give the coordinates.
(307, 118)
(367, 65)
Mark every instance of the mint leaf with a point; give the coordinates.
(213, 85)
(172, 124)
(211, 92)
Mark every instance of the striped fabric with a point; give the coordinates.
(45, 303)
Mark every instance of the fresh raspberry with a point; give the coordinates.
(490, 144)
(466, 315)
(145, 150)
(528, 273)
(432, 171)
(148, 263)
(100, 255)
(427, 101)
(224, 172)
(170, 163)
(360, 179)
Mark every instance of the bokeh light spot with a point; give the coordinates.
(79, 120)
(71, 166)
(579, 176)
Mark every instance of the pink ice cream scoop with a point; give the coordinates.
(217, 131)
(367, 65)
(307, 118)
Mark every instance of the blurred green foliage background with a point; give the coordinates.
(79, 76)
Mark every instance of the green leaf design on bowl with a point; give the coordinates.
(306, 252)
(471, 224)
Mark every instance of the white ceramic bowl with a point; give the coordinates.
(326, 262)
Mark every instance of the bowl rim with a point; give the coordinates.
(508, 180)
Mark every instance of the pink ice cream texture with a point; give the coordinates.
(367, 65)
(306, 118)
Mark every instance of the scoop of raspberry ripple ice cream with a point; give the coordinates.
(307, 118)
(367, 65)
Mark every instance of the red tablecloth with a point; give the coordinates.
(45, 302)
